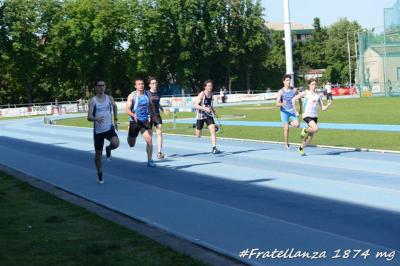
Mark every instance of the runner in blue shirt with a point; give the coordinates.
(284, 102)
(140, 109)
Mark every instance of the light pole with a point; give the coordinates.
(288, 41)
(384, 50)
(348, 52)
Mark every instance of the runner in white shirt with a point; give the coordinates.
(101, 110)
(310, 115)
(328, 88)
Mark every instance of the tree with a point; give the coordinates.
(24, 43)
(336, 47)
(275, 62)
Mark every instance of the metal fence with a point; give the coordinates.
(378, 66)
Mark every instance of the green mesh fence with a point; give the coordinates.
(378, 66)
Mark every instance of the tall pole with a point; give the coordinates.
(384, 52)
(288, 41)
(356, 68)
(348, 51)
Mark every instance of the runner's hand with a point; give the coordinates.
(100, 119)
(135, 117)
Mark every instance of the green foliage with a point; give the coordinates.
(52, 49)
(336, 47)
(326, 49)
(56, 49)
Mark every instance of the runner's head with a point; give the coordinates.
(153, 84)
(208, 85)
(312, 84)
(99, 86)
(286, 80)
(139, 84)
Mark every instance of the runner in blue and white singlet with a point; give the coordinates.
(140, 106)
(140, 110)
(286, 98)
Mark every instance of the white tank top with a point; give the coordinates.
(310, 105)
(102, 109)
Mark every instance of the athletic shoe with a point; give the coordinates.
(217, 129)
(287, 146)
(215, 150)
(108, 153)
(301, 151)
(100, 179)
(160, 155)
(151, 164)
(303, 133)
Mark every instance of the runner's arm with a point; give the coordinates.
(295, 98)
(279, 101)
(324, 107)
(90, 116)
(128, 107)
(115, 112)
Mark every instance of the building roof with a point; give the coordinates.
(295, 26)
(314, 71)
(391, 49)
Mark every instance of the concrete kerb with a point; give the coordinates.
(178, 244)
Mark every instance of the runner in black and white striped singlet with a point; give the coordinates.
(205, 113)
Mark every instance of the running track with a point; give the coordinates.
(253, 195)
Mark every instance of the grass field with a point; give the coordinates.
(377, 110)
(40, 229)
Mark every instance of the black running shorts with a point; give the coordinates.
(208, 121)
(135, 128)
(99, 138)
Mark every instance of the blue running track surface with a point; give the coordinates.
(251, 196)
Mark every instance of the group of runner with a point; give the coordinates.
(286, 101)
(143, 108)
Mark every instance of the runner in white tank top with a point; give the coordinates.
(101, 109)
(310, 114)
(310, 104)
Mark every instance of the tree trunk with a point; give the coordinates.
(28, 89)
(228, 81)
(248, 80)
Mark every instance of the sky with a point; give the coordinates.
(368, 13)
